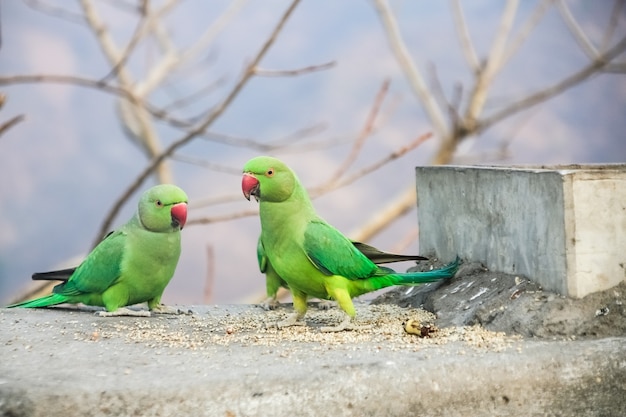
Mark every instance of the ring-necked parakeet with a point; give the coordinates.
(273, 281)
(131, 265)
(312, 257)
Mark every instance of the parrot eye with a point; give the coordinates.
(158, 203)
(270, 172)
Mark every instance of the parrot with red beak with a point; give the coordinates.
(273, 281)
(131, 265)
(311, 256)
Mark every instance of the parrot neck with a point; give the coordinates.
(296, 208)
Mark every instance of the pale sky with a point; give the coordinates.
(64, 166)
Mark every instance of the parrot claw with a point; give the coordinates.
(326, 305)
(346, 324)
(270, 303)
(292, 320)
(163, 309)
(123, 312)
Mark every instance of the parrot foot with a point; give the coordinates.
(326, 304)
(163, 309)
(270, 303)
(346, 324)
(123, 312)
(292, 320)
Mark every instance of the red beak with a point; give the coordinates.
(250, 186)
(179, 215)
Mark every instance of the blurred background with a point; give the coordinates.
(96, 92)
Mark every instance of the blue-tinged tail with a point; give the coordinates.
(416, 278)
(49, 300)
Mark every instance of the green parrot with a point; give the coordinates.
(131, 265)
(311, 256)
(273, 281)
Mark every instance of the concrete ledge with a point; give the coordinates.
(562, 226)
(218, 362)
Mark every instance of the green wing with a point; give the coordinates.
(261, 257)
(334, 254)
(99, 270)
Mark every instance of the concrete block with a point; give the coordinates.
(562, 226)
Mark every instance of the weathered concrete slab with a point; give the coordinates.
(221, 361)
(563, 226)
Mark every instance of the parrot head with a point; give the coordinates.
(267, 179)
(163, 208)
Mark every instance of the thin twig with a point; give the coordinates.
(452, 108)
(523, 33)
(174, 60)
(410, 69)
(298, 135)
(134, 114)
(209, 281)
(493, 64)
(214, 201)
(54, 11)
(211, 117)
(383, 218)
(464, 37)
(613, 22)
(398, 153)
(365, 132)
(284, 144)
(66, 79)
(224, 217)
(137, 36)
(554, 90)
(579, 35)
(206, 164)
(191, 98)
(10, 123)
(295, 72)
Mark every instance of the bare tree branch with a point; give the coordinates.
(579, 35)
(134, 41)
(224, 217)
(493, 64)
(333, 185)
(585, 43)
(214, 201)
(410, 69)
(381, 220)
(556, 89)
(440, 97)
(133, 112)
(4, 127)
(363, 135)
(211, 117)
(175, 60)
(191, 98)
(291, 73)
(522, 34)
(464, 37)
(206, 164)
(209, 281)
(55, 11)
(618, 6)
(72, 80)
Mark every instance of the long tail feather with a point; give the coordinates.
(415, 278)
(379, 257)
(61, 275)
(49, 300)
